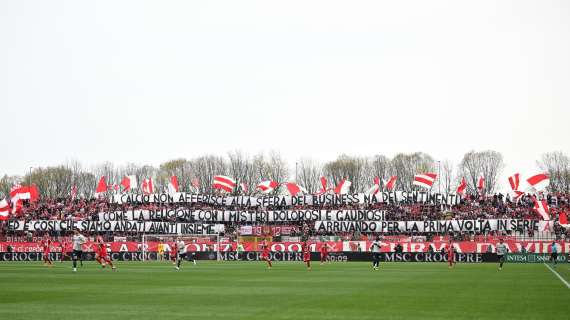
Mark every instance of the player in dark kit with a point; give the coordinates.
(501, 252)
(307, 255)
(375, 248)
(78, 240)
(553, 253)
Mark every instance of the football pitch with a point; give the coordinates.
(247, 290)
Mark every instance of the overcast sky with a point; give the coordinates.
(148, 81)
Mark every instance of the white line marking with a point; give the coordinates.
(558, 275)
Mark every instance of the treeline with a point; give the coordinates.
(57, 181)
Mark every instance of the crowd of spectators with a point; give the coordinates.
(497, 206)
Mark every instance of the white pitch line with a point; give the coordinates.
(559, 276)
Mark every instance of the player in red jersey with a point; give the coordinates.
(46, 243)
(265, 254)
(101, 254)
(324, 252)
(174, 252)
(307, 255)
(64, 244)
(450, 255)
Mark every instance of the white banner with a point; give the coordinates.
(244, 215)
(326, 199)
(116, 226)
(438, 226)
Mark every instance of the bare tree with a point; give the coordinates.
(487, 164)
(347, 167)
(405, 166)
(557, 164)
(205, 168)
(181, 168)
(446, 176)
(309, 173)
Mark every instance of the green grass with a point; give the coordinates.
(246, 290)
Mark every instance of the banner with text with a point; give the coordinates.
(436, 226)
(189, 215)
(115, 226)
(394, 197)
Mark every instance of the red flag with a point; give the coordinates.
(481, 184)
(294, 188)
(541, 207)
(391, 183)
(562, 218)
(324, 187)
(539, 181)
(129, 182)
(462, 186)
(173, 185)
(514, 181)
(24, 192)
(101, 186)
(148, 186)
(342, 187)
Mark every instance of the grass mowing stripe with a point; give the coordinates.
(559, 276)
(243, 290)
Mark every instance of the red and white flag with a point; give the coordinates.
(324, 187)
(518, 194)
(224, 183)
(424, 180)
(481, 184)
(173, 185)
(514, 181)
(375, 187)
(148, 186)
(4, 209)
(462, 187)
(391, 183)
(101, 186)
(24, 192)
(17, 205)
(343, 187)
(73, 192)
(243, 186)
(541, 207)
(294, 188)
(539, 182)
(195, 185)
(129, 182)
(267, 186)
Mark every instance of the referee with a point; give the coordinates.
(553, 253)
(501, 252)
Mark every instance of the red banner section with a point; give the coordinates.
(334, 246)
